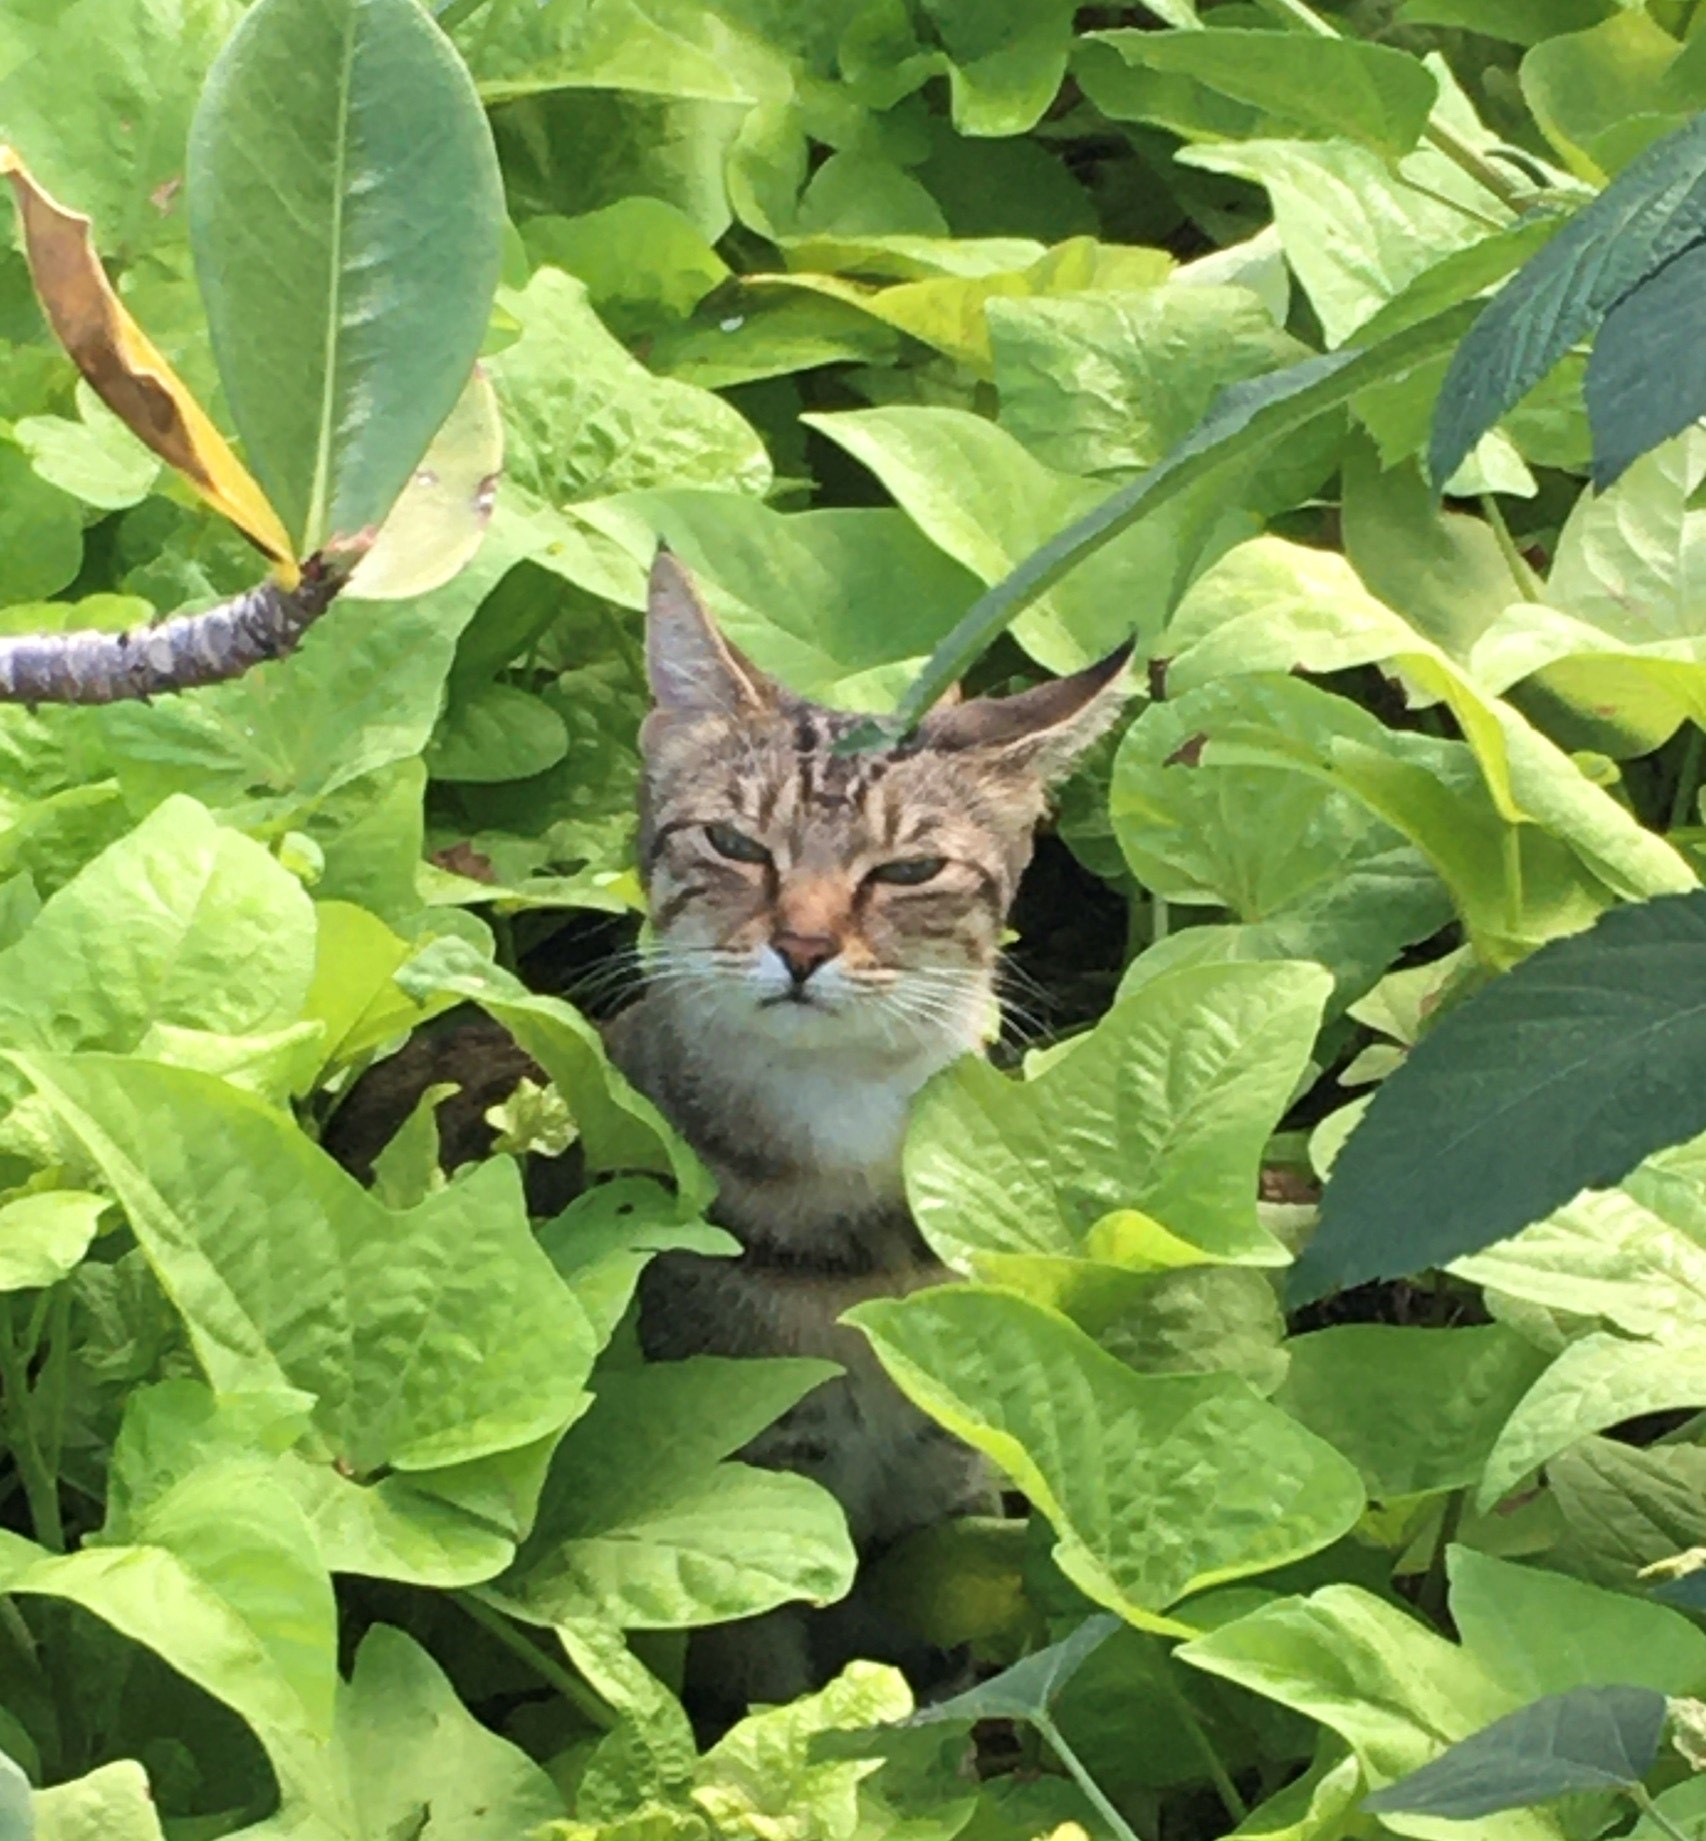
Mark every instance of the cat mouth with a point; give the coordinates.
(803, 999)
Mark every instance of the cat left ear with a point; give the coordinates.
(691, 666)
(1044, 730)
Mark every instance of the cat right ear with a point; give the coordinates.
(692, 668)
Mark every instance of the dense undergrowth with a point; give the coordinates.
(353, 1514)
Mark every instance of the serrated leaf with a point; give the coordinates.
(1588, 1739)
(1560, 1076)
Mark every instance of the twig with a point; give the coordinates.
(169, 655)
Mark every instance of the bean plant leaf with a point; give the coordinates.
(112, 1801)
(1028, 1689)
(1587, 1739)
(1644, 336)
(373, 326)
(1650, 214)
(1561, 1076)
(1233, 1486)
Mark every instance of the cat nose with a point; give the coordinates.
(803, 953)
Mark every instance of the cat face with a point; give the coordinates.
(819, 900)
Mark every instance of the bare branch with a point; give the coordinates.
(168, 655)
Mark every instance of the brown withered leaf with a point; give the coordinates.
(126, 370)
(1188, 752)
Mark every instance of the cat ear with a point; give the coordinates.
(1043, 730)
(691, 666)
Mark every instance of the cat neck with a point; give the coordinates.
(804, 1139)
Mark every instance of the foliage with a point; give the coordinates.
(942, 340)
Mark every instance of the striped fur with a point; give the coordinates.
(795, 1091)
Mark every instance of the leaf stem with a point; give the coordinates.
(1513, 877)
(570, 1686)
(41, 1483)
(1234, 1805)
(1093, 1791)
(1640, 1797)
(1688, 779)
(1528, 583)
(457, 12)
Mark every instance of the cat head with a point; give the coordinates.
(827, 901)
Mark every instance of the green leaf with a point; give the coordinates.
(372, 326)
(1650, 214)
(645, 263)
(101, 110)
(17, 1816)
(96, 458)
(1337, 88)
(1643, 340)
(406, 1757)
(428, 1337)
(41, 531)
(1108, 383)
(1029, 1689)
(642, 1523)
(978, 495)
(1550, 1081)
(1542, 1633)
(1356, 233)
(1388, 1686)
(1244, 421)
(620, 1128)
(1588, 1739)
(1155, 1485)
(1158, 1117)
(1601, 95)
(182, 922)
(496, 732)
(1305, 870)
(1521, 22)
(1417, 1411)
(112, 1803)
(43, 1236)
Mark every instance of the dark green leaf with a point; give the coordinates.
(1646, 378)
(1028, 1689)
(1648, 216)
(1587, 1739)
(1562, 1076)
(345, 209)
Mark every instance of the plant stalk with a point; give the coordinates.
(1528, 583)
(1640, 1797)
(570, 1686)
(1688, 779)
(1093, 1791)
(41, 1483)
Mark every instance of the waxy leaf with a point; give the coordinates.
(110, 1804)
(1029, 1689)
(1560, 1076)
(343, 195)
(1588, 1739)
(1155, 1485)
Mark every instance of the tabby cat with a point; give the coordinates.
(826, 930)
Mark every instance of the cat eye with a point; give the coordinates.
(908, 872)
(728, 842)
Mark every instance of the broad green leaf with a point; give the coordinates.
(406, 1757)
(620, 1129)
(765, 1778)
(1006, 59)
(1355, 230)
(112, 1803)
(1521, 22)
(1622, 1509)
(1543, 1633)
(41, 531)
(17, 1813)
(496, 732)
(839, 603)
(44, 1235)
(1107, 383)
(1587, 1739)
(427, 1337)
(1155, 1485)
(354, 996)
(1603, 94)
(1029, 1689)
(182, 922)
(1546, 1083)
(1305, 870)
(1161, 1112)
(1246, 419)
(98, 96)
(96, 458)
(645, 263)
(1597, 1383)
(1651, 213)
(642, 1523)
(981, 497)
(1415, 1410)
(373, 327)
(585, 419)
(1393, 1690)
(1336, 88)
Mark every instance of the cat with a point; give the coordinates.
(825, 937)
